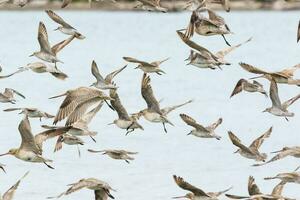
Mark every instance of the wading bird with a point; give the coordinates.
(10, 193)
(116, 154)
(153, 67)
(196, 193)
(104, 83)
(284, 76)
(29, 150)
(65, 27)
(245, 85)
(255, 193)
(31, 112)
(201, 131)
(8, 96)
(278, 108)
(251, 152)
(213, 25)
(284, 152)
(101, 189)
(124, 121)
(76, 103)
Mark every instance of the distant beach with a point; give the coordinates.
(171, 5)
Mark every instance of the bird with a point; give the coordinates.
(201, 131)
(213, 25)
(278, 108)
(151, 5)
(284, 76)
(31, 112)
(284, 152)
(251, 152)
(79, 128)
(76, 102)
(40, 67)
(116, 154)
(67, 2)
(203, 58)
(153, 67)
(20, 3)
(104, 83)
(246, 85)
(65, 27)
(200, 3)
(8, 96)
(256, 194)
(298, 32)
(101, 188)
(124, 121)
(69, 140)
(196, 193)
(28, 150)
(290, 177)
(10, 193)
(46, 53)
(153, 113)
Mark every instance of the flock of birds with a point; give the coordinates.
(81, 104)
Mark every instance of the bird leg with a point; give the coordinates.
(93, 138)
(48, 165)
(226, 40)
(109, 105)
(129, 131)
(127, 161)
(164, 125)
(79, 154)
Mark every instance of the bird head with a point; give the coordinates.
(10, 152)
(187, 196)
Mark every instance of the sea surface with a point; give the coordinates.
(207, 163)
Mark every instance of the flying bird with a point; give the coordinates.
(65, 27)
(252, 151)
(146, 67)
(29, 150)
(10, 193)
(284, 76)
(245, 85)
(278, 108)
(116, 154)
(196, 193)
(101, 189)
(151, 5)
(31, 112)
(8, 96)
(213, 25)
(104, 83)
(201, 131)
(76, 103)
(124, 121)
(284, 152)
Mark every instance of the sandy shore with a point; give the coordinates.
(172, 6)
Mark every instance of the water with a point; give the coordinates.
(207, 163)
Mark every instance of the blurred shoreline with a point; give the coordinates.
(175, 6)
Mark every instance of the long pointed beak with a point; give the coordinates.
(31, 55)
(5, 154)
(56, 29)
(180, 197)
(236, 151)
(64, 94)
(276, 151)
(136, 67)
(189, 133)
(111, 123)
(257, 77)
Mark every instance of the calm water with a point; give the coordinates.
(206, 163)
